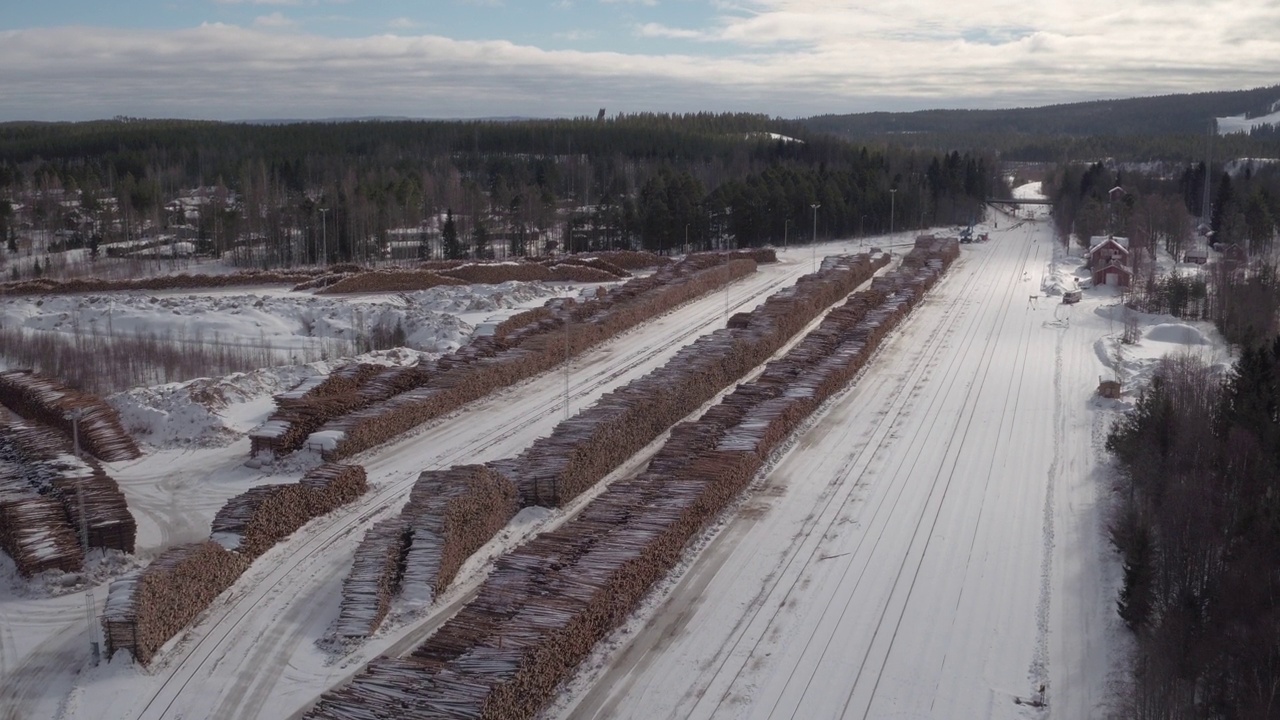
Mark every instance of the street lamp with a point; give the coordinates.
(686, 238)
(324, 236)
(785, 227)
(815, 207)
(90, 614)
(892, 193)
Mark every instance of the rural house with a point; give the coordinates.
(1109, 261)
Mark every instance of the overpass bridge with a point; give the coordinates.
(1018, 201)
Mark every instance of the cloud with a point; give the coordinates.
(403, 23)
(258, 2)
(646, 3)
(658, 30)
(783, 57)
(274, 20)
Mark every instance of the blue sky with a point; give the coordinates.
(240, 59)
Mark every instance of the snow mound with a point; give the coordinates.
(214, 412)
(1177, 333)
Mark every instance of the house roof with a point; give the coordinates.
(1114, 266)
(1097, 241)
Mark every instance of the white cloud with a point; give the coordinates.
(646, 3)
(658, 30)
(784, 57)
(258, 2)
(403, 23)
(274, 20)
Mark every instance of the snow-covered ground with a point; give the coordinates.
(930, 547)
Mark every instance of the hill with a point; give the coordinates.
(1163, 115)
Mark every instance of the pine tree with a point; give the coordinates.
(449, 236)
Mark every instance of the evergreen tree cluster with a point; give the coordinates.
(1198, 529)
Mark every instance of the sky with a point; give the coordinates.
(313, 59)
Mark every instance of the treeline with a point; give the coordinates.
(280, 195)
(1198, 528)
(1168, 127)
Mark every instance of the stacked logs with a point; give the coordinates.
(547, 603)
(375, 575)
(585, 448)
(146, 610)
(573, 272)
(49, 402)
(494, 273)
(616, 271)
(387, 281)
(183, 281)
(632, 259)
(487, 363)
(33, 527)
(450, 514)
(254, 521)
(44, 460)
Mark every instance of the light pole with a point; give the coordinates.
(686, 238)
(815, 207)
(324, 236)
(785, 227)
(893, 192)
(89, 610)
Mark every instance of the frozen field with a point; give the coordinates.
(931, 545)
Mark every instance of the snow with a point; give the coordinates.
(1242, 124)
(931, 545)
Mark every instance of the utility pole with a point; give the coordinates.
(566, 364)
(324, 235)
(89, 615)
(785, 227)
(815, 207)
(893, 192)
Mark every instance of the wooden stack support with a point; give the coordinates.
(48, 402)
(547, 603)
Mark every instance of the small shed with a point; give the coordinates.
(1197, 255)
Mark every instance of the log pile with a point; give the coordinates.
(44, 460)
(525, 345)
(375, 575)
(183, 281)
(494, 273)
(616, 271)
(488, 363)
(548, 602)
(574, 272)
(450, 514)
(265, 515)
(388, 281)
(631, 259)
(48, 402)
(585, 448)
(33, 527)
(146, 610)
